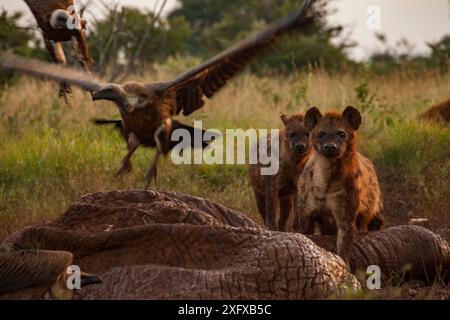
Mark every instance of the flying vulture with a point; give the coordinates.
(147, 108)
(52, 17)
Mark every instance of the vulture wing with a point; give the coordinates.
(31, 268)
(208, 78)
(42, 9)
(49, 71)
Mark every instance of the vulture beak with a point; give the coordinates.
(60, 290)
(87, 279)
(114, 93)
(102, 94)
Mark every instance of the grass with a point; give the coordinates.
(50, 154)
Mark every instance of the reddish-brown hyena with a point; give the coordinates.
(339, 187)
(276, 195)
(439, 113)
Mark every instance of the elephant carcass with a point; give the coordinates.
(162, 245)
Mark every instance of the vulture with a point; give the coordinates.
(31, 274)
(147, 109)
(52, 17)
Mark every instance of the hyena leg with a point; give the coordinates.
(272, 208)
(125, 164)
(286, 207)
(326, 223)
(261, 204)
(346, 232)
(296, 213)
(361, 224)
(307, 224)
(376, 223)
(327, 229)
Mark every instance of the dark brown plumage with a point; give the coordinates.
(51, 17)
(29, 274)
(147, 109)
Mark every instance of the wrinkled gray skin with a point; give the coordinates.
(161, 245)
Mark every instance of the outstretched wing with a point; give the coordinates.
(208, 78)
(31, 268)
(49, 71)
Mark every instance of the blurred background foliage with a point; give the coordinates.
(126, 40)
(51, 154)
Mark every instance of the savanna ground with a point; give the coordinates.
(50, 153)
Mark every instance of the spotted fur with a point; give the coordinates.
(276, 195)
(339, 186)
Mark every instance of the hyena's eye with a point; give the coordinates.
(342, 134)
(292, 134)
(321, 135)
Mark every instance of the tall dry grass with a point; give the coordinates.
(50, 153)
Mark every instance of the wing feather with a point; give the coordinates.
(31, 268)
(40, 69)
(213, 75)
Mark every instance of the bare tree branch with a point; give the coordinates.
(83, 7)
(107, 52)
(137, 53)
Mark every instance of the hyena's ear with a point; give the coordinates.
(284, 118)
(312, 117)
(353, 117)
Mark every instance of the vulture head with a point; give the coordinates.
(31, 274)
(59, 290)
(128, 97)
(115, 93)
(60, 17)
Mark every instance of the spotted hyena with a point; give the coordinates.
(276, 195)
(339, 186)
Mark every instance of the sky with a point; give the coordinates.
(417, 21)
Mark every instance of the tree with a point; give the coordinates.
(217, 24)
(18, 40)
(440, 52)
(118, 40)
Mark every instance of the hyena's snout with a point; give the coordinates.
(301, 148)
(330, 148)
(300, 144)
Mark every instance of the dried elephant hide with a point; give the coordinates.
(163, 245)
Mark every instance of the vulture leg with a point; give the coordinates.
(153, 170)
(79, 55)
(125, 165)
(82, 44)
(57, 53)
